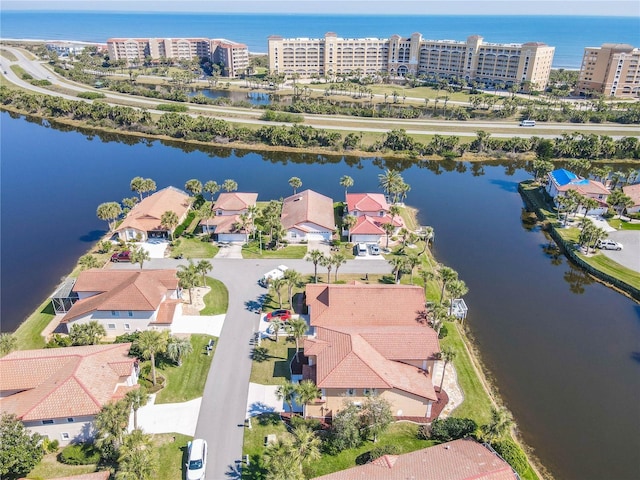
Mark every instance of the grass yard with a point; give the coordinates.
(187, 381)
(194, 248)
(172, 449)
(28, 333)
(608, 266)
(620, 224)
(50, 467)
(477, 404)
(252, 250)
(275, 369)
(8, 55)
(217, 300)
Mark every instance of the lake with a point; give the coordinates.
(563, 350)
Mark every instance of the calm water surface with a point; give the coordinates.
(564, 351)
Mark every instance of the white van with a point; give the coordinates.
(362, 249)
(271, 275)
(528, 123)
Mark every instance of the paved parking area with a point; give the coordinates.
(629, 256)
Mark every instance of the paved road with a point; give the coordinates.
(629, 256)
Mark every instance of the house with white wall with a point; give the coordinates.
(57, 392)
(633, 192)
(371, 211)
(125, 301)
(308, 216)
(226, 223)
(561, 181)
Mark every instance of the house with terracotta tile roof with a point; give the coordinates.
(633, 192)
(144, 219)
(561, 181)
(308, 216)
(125, 301)
(370, 339)
(463, 459)
(58, 391)
(372, 212)
(226, 223)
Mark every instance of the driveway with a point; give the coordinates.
(209, 325)
(155, 247)
(629, 256)
(170, 417)
(262, 399)
(230, 250)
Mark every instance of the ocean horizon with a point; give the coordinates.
(568, 34)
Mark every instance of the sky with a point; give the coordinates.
(430, 7)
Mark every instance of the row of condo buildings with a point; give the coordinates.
(233, 56)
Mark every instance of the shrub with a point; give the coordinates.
(50, 446)
(171, 107)
(311, 423)
(134, 351)
(424, 432)
(513, 455)
(443, 331)
(27, 76)
(58, 341)
(91, 95)
(452, 428)
(377, 452)
(79, 454)
(40, 83)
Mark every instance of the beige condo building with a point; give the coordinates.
(472, 60)
(611, 70)
(233, 56)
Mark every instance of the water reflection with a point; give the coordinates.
(229, 96)
(577, 279)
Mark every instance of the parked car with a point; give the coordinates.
(121, 256)
(283, 315)
(374, 249)
(362, 249)
(609, 245)
(197, 464)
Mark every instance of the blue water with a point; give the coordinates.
(568, 34)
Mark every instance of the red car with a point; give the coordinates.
(121, 256)
(283, 315)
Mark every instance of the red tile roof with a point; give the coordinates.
(366, 202)
(307, 207)
(63, 382)
(146, 215)
(166, 312)
(592, 187)
(364, 305)
(633, 192)
(136, 290)
(224, 223)
(368, 225)
(235, 201)
(463, 459)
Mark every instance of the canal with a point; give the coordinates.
(564, 351)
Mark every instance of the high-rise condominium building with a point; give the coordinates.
(233, 56)
(473, 60)
(611, 70)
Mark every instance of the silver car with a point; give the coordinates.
(609, 245)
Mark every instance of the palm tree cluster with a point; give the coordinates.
(304, 392)
(336, 259)
(590, 235)
(142, 185)
(269, 220)
(286, 457)
(193, 275)
(393, 185)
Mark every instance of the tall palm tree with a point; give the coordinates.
(230, 185)
(338, 259)
(137, 185)
(389, 180)
(293, 279)
(151, 342)
(307, 392)
(426, 275)
(447, 355)
(412, 261)
(203, 267)
(281, 460)
(188, 278)
(109, 212)
(193, 186)
(139, 255)
(295, 183)
(388, 229)
(347, 182)
(314, 256)
(307, 444)
(276, 325)
(287, 392)
(501, 422)
(349, 222)
(328, 264)
(178, 348)
(276, 286)
(398, 264)
(169, 220)
(446, 274)
(135, 399)
(111, 424)
(211, 187)
(297, 329)
(138, 458)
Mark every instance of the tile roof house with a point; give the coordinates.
(308, 216)
(125, 301)
(370, 339)
(226, 225)
(58, 391)
(372, 212)
(633, 192)
(463, 459)
(143, 221)
(561, 181)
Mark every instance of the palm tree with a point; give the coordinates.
(292, 278)
(193, 186)
(169, 220)
(388, 229)
(398, 264)
(276, 286)
(109, 212)
(307, 444)
(281, 460)
(425, 275)
(287, 392)
(328, 264)
(346, 181)
(230, 185)
(349, 222)
(314, 256)
(203, 267)
(501, 422)
(138, 459)
(135, 399)
(137, 185)
(111, 424)
(90, 333)
(446, 274)
(447, 355)
(276, 325)
(151, 342)
(297, 329)
(307, 392)
(619, 201)
(295, 183)
(412, 261)
(139, 255)
(389, 180)
(457, 288)
(188, 278)
(212, 188)
(338, 259)
(178, 348)
(88, 261)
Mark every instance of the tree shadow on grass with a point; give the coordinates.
(254, 471)
(281, 368)
(387, 279)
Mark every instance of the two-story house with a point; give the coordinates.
(231, 219)
(371, 211)
(561, 181)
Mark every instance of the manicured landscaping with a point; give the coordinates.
(172, 450)
(610, 267)
(50, 467)
(8, 55)
(29, 332)
(620, 224)
(217, 300)
(194, 248)
(187, 381)
(274, 370)
(252, 250)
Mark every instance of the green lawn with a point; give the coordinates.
(252, 250)
(619, 224)
(50, 467)
(194, 248)
(610, 267)
(275, 369)
(8, 55)
(172, 448)
(217, 300)
(28, 333)
(187, 381)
